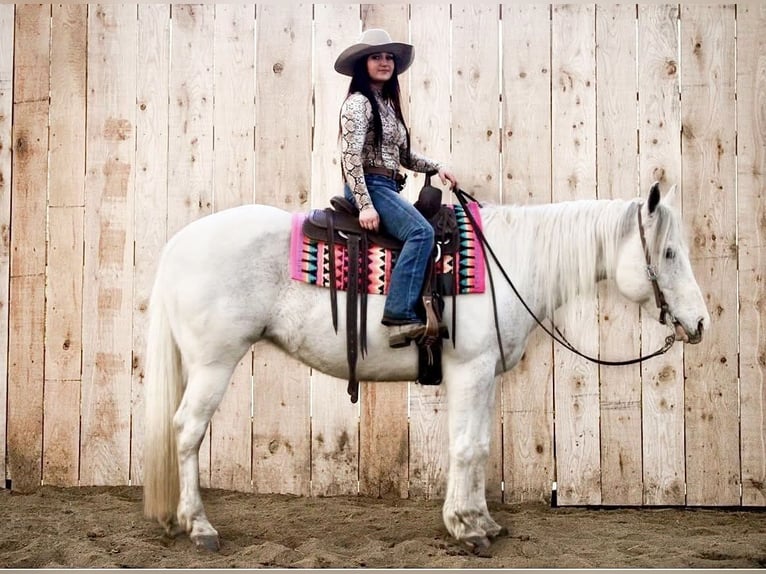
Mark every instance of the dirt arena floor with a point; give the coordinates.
(104, 527)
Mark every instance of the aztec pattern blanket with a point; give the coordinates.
(310, 261)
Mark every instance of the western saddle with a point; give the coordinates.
(339, 224)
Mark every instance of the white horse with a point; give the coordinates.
(223, 283)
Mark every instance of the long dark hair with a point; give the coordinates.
(360, 82)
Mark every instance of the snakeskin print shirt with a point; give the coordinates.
(358, 148)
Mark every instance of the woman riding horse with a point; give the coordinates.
(375, 142)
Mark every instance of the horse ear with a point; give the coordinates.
(654, 197)
(671, 197)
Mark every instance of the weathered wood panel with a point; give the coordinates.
(190, 158)
(383, 433)
(6, 113)
(528, 465)
(68, 63)
(63, 315)
(476, 99)
(659, 160)
(751, 217)
(190, 132)
(576, 380)
(282, 389)
(281, 423)
(430, 128)
(476, 145)
(619, 327)
(150, 232)
(708, 118)
(108, 272)
(233, 182)
(384, 444)
(61, 437)
(335, 421)
(26, 338)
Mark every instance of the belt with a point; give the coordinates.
(389, 173)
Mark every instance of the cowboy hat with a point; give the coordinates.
(373, 41)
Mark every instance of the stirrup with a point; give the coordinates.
(432, 318)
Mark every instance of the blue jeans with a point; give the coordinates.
(399, 218)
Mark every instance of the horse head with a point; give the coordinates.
(653, 267)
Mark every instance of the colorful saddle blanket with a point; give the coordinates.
(310, 261)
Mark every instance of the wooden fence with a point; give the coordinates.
(119, 124)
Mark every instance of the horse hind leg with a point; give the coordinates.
(205, 388)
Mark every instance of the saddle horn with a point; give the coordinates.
(430, 198)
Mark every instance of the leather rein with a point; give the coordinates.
(651, 270)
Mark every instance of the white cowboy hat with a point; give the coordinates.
(373, 41)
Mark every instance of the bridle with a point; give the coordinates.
(651, 270)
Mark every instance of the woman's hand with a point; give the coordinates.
(369, 218)
(447, 176)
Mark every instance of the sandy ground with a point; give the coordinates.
(104, 527)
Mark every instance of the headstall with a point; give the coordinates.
(651, 271)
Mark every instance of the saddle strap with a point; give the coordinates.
(364, 250)
(333, 285)
(352, 343)
(454, 314)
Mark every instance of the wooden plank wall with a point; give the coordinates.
(659, 158)
(431, 104)
(6, 113)
(150, 232)
(528, 463)
(619, 331)
(575, 381)
(108, 265)
(476, 143)
(708, 158)
(751, 216)
(29, 174)
(282, 389)
(66, 205)
(119, 124)
(334, 421)
(383, 433)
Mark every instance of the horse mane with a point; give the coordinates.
(569, 246)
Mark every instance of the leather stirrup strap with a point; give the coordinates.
(432, 316)
(331, 253)
(352, 342)
(432, 319)
(455, 289)
(364, 283)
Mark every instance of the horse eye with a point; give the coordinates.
(669, 253)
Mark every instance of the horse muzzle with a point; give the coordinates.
(688, 335)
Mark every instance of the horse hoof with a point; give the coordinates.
(171, 527)
(479, 546)
(208, 542)
(173, 530)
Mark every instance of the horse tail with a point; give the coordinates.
(163, 387)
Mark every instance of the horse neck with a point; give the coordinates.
(566, 248)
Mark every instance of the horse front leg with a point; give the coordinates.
(470, 399)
